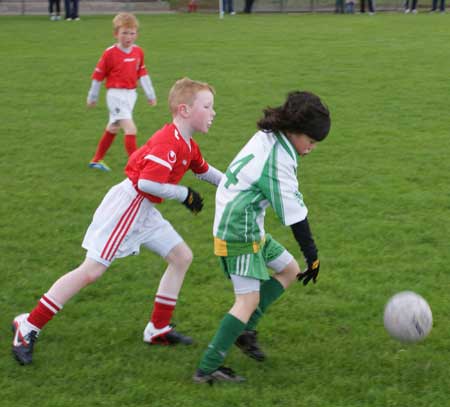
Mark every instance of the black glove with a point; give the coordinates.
(303, 235)
(193, 201)
(310, 273)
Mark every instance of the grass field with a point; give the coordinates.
(377, 190)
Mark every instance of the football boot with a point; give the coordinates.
(165, 336)
(23, 344)
(247, 343)
(222, 374)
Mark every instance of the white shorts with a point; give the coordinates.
(120, 104)
(123, 222)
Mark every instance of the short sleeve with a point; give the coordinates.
(159, 163)
(100, 69)
(142, 71)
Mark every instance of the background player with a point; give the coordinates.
(121, 65)
(263, 173)
(127, 218)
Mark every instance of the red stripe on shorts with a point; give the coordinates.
(121, 229)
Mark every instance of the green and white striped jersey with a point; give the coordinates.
(263, 173)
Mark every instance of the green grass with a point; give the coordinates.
(377, 190)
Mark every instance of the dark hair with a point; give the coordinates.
(303, 112)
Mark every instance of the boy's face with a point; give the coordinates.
(126, 36)
(302, 143)
(201, 112)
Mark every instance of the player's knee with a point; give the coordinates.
(113, 128)
(289, 274)
(182, 258)
(129, 127)
(245, 305)
(92, 276)
(186, 258)
(93, 273)
(252, 302)
(292, 271)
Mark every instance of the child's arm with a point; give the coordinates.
(187, 196)
(303, 235)
(93, 93)
(211, 175)
(149, 91)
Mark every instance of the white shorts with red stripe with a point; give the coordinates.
(123, 222)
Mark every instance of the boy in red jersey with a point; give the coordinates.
(127, 218)
(121, 65)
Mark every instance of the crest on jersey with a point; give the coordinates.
(171, 156)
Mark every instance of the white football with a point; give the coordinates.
(408, 317)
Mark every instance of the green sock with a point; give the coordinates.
(269, 292)
(230, 328)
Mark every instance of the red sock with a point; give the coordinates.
(44, 311)
(130, 143)
(162, 311)
(103, 145)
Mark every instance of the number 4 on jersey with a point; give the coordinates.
(234, 169)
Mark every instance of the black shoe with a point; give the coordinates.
(173, 337)
(222, 374)
(22, 348)
(247, 343)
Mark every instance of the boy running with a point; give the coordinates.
(121, 65)
(263, 173)
(127, 218)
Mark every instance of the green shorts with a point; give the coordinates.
(253, 265)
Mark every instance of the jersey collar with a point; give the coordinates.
(287, 145)
(177, 134)
(125, 50)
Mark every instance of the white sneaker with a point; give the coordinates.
(151, 333)
(407, 11)
(165, 336)
(414, 11)
(23, 339)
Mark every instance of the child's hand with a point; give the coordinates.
(152, 102)
(310, 273)
(91, 103)
(193, 201)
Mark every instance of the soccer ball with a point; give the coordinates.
(408, 317)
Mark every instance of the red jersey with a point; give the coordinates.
(120, 69)
(165, 158)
